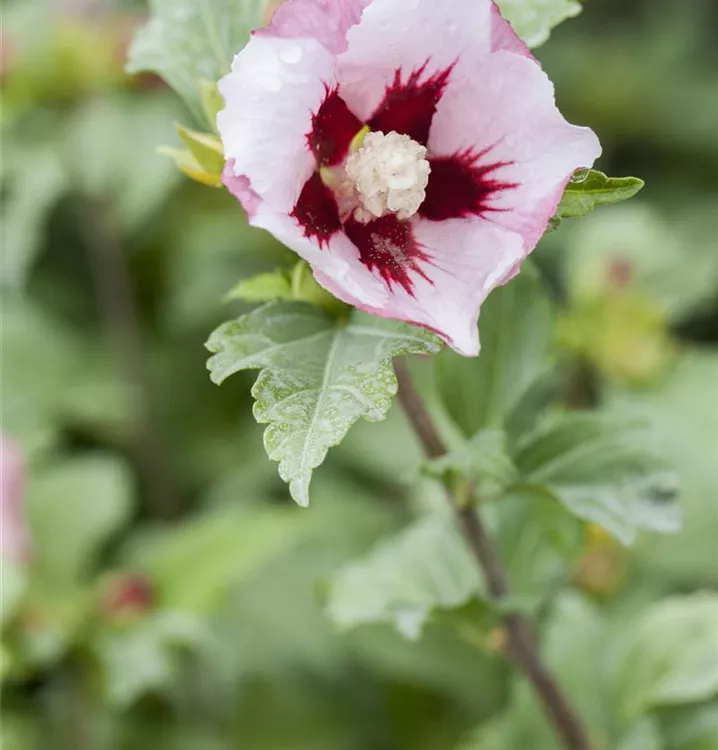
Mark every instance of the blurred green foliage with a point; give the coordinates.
(176, 599)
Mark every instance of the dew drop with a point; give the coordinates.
(580, 175)
(291, 54)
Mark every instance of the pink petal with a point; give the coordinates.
(506, 112)
(503, 37)
(433, 274)
(14, 538)
(442, 288)
(334, 257)
(275, 88)
(327, 21)
(401, 37)
(241, 189)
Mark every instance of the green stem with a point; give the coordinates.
(522, 644)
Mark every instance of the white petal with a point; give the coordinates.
(405, 35)
(275, 87)
(508, 104)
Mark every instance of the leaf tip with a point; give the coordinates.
(299, 490)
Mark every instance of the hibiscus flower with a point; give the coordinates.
(410, 151)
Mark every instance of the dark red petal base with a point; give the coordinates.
(459, 186)
(388, 246)
(317, 210)
(408, 108)
(333, 128)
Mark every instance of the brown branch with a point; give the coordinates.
(116, 301)
(522, 645)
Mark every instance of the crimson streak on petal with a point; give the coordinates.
(317, 211)
(333, 128)
(388, 246)
(408, 108)
(459, 186)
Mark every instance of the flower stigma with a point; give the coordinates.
(388, 174)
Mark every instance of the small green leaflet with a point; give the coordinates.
(584, 195)
(266, 287)
(533, 20)
(189, 42)
(298, 284)
(603, 470)
(401, 581)
(318, 376)
(484, 459)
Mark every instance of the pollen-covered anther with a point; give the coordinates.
(389, 174)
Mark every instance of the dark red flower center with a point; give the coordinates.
(388, 246)
(460, 186)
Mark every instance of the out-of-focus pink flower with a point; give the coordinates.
(7, 54)
(126, 596)
(14, 538)
(465, 163)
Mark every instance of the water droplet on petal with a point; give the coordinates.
(580, 175)
(291, 54)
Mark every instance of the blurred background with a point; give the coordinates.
(167, 593)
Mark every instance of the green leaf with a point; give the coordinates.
(596, 189)
(146, 658)
(188, 42)
(603, 470)
(670, 655)
(538, 541)
(318, 377)
(205, 148)
(305, 288)
(73, 508)
(130, 176)
(691, 727)
(672, 267)
(495, 735)
(644, 735)
(681, 412)
(533, 19)
(516, 328)
(266, 287)
(12, 585)
(212, 101)
(428, 567)
(298, 284)
(36, 355)
(37, 185)
(573, 647)
(49, 379)
(193, 565)
(185, 161)
(401, 581)
(484, 459)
